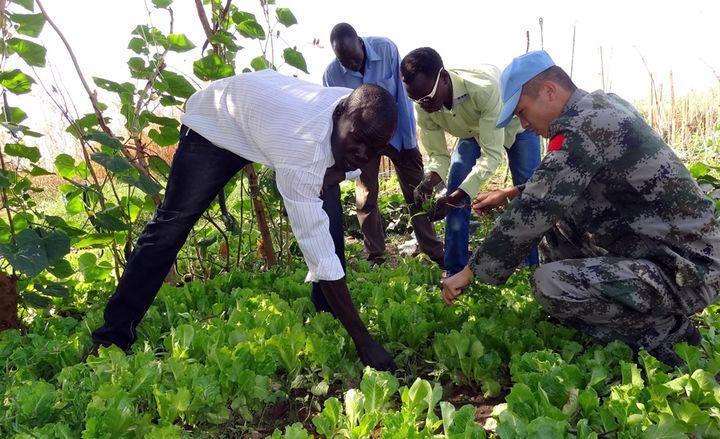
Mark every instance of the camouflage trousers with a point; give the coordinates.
(612, 298)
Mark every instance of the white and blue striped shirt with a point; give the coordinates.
(284, 123)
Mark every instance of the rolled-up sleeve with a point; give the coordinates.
(328, 79)
(556, 185)
(300, 192)
(432, 141)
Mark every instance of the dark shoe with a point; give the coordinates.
(666, 353)
(371, 353)
(693, 336)
(440, 262)
(685, 332)
(376, 262)
(93, 351)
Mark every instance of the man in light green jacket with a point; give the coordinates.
(465, 104)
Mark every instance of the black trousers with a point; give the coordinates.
(199, 172)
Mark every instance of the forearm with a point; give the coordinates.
(338, 296)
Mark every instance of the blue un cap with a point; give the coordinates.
(521, 70)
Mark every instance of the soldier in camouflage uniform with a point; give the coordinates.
(631, 245)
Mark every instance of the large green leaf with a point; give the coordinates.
(4, 179)
(16, 128)
(169, 101)
(27, 4)
(166, 136)
(143, 183)
(19, 150)
(248, 26)
(285, 16)
(32, 53)
(57, 245)
(160, 120)
(151, 35)
(53, 289)
(65, 165)
(37, 171)
(162, 3)
(83, 126)
(61, 269)
(95, 240)
(175, 85)
(159, 166)
(15, 116)
(110, 220)
(115, 164)
(328, 421)
(35, 300)
(212, 67)
(112, 86)
(259, 63)
(179, 43)
(32, 253)
(295, 59)
(16, 81)
(226, 39)
(28, 255)
(74, 204)
(105, 139)
(138, 45)
(138, 69)
(377, 388)
(91, 270)
(28, 24)
(667, 428)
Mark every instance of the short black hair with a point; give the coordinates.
(423, 60)
(341, 31)
(374, 111)
(555, 74)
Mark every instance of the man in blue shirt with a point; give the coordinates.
(375, 60)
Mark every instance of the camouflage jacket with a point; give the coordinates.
(622, 188)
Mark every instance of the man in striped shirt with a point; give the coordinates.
(310, 135)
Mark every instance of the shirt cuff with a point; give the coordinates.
(326, 269)
(471, 188)
(352, 175)
(438, 169)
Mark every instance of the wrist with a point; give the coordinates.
(512, 192)
(434, 178)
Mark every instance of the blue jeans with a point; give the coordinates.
(523, 158)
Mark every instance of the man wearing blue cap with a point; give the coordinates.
(631, 245)
(375, 60)
(465, 104)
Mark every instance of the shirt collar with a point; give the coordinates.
(370, 55)
(460, 93)
(572, 101)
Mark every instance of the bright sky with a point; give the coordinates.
(677, 36)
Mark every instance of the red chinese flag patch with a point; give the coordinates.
(556, 142)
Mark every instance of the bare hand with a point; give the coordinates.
(456, 200)
(372, 354)
(453, 285)
(487, 201)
